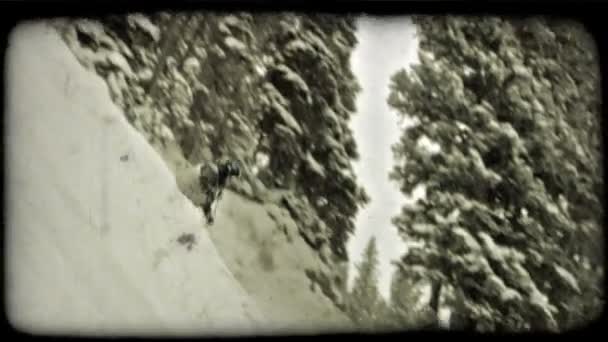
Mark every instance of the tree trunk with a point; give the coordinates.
(434, 302)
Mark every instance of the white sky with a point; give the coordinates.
(386, 44)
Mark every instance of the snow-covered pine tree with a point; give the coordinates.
(512, 214)
(364, 299)
(311, 92)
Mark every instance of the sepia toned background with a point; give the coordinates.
(400, 173)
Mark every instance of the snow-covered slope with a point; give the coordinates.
(94, 214)
(261, 245)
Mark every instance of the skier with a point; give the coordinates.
(204, 183)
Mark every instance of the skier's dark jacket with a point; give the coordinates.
(204, 183)
(212, 177)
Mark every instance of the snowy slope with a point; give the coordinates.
(94, 214)
(269, 258)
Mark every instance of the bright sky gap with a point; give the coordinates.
(386, 44)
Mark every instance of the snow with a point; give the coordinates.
(116, 59)
(503, 255)
(145, 74)
(428, 145)
(124, 49)
(287, 118)
(567, 277)
(444, 315)
(223, 28)
(192, 63)
(331, 116)
(94, 214)
(232, 20)
(262, 247)
(521, 70)
(294, 79)
(141, 21)
(463, 127)
(468, 240)
(95, 30)
(298, 46)
(90, 58)
(423, 228)
(235, 44)
(314, 165)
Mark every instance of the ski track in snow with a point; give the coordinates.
(91, 239)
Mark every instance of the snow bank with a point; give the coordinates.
(94, 214)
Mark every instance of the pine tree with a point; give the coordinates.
(404, 300)
(310, 93)
(512, 215)
(364, 298)
(213, 85)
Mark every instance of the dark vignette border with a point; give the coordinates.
(590, 13)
